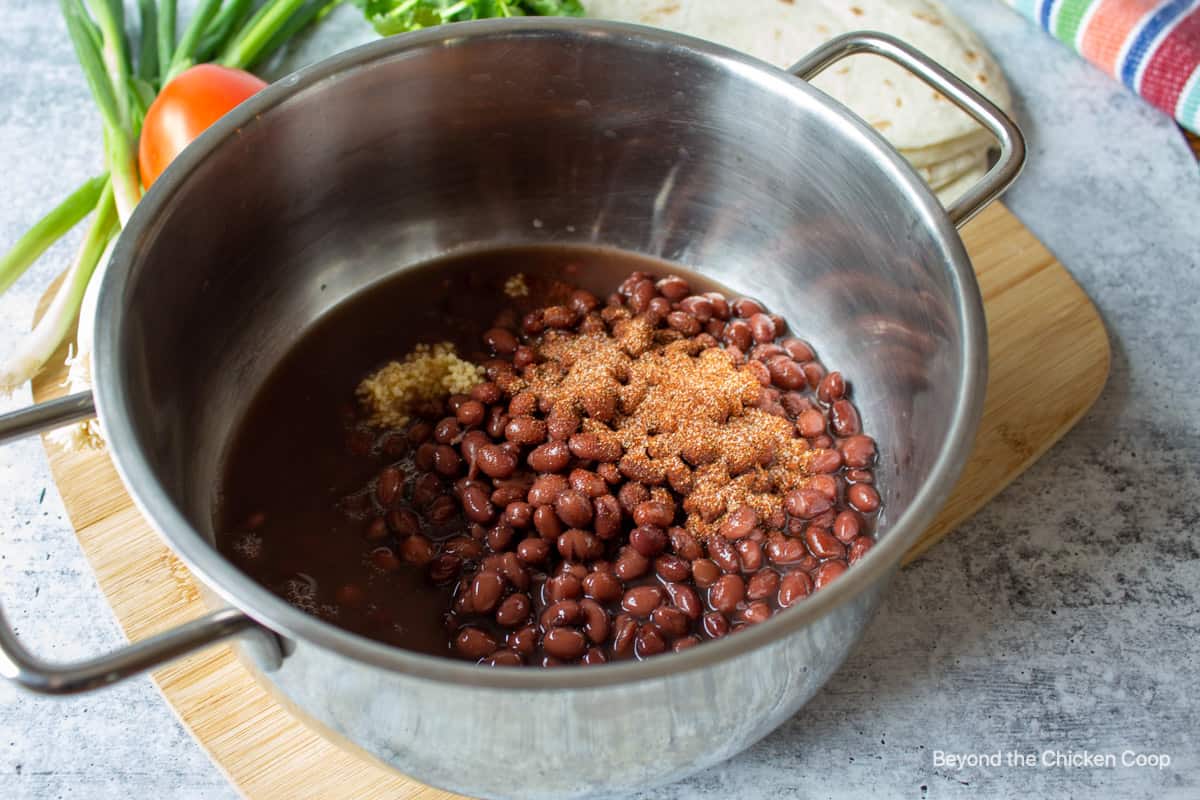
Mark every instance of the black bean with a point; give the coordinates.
(533, 551)
(577, 545)
(525, 430)
(495, 461)
(653, 512)
(474, 643)
(518, 514)
(477, 506)
(573, 508)
(447, 430)
(564, 643)
(641, 600)
(446, 461)
(552, 456)
(486, 393)
(649, 641)
(470, 413)
(673, 288)
(546, 522)
(604, 587)
(740, 523)
(648, 540)
(500, 341)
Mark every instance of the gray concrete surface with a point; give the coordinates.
(1062, 619)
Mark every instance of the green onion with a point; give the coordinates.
(166, 39)
(147, 62)
(118, 137)
(310, 12)
(245, 47)
(223, 26)
(78, 24)
(109, 16)
(124, 82)
(36, 348)
(184, 55)
(49, 229)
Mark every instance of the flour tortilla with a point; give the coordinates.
(943, 172)
(902, 108)
(906, 111)
(955, 189)
(771, 30)
(935, 154)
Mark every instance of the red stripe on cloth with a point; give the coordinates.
(1110, 27)
(1172, 64)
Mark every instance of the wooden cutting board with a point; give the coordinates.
(1048, 362)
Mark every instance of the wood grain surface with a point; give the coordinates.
(1049, 358)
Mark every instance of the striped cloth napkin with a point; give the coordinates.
(1152, 46)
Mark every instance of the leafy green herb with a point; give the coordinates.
(554, 8)
(399, 16)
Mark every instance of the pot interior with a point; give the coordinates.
(383, 158)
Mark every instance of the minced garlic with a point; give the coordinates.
(427, 373)
(516, 286)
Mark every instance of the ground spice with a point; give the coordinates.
(427, 373)
(515, 286)
(683, 414)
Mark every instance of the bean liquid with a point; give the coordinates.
(281, 517)
(480, 531)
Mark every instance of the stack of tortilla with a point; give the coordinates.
(948, 148)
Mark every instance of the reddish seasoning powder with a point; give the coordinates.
(682, 413)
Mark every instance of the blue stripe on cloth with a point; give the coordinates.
(1149, 32)
(1046, 17)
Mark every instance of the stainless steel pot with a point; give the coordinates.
(533, 131)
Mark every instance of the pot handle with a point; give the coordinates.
(30, 672)
(1012, 143)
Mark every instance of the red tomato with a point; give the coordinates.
(185, 108)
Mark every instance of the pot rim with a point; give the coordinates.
(272, 611)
